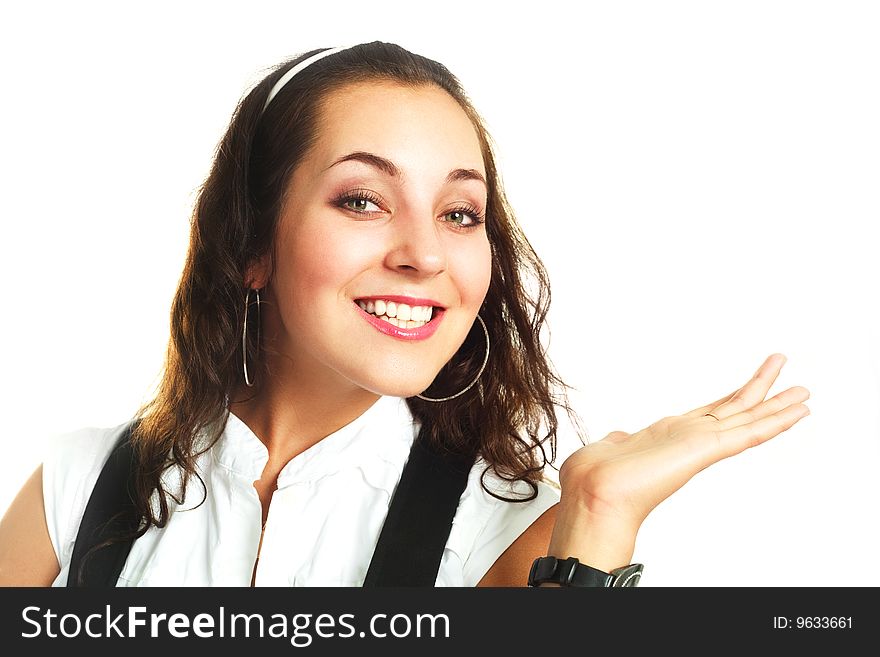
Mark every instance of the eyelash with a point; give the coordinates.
(476, 216)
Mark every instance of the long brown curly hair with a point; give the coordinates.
(509, 422)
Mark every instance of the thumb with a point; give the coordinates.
(617, 436)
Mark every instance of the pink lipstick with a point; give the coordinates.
(405, 318)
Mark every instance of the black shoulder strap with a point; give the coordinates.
(408, 552)
(110, 512)
(419, 519)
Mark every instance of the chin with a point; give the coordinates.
(389, 385)
(391, 376)
(399, 390)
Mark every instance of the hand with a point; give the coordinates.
(624, 476)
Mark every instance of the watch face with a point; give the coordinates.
(628, 575)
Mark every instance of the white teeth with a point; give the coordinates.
(399, 314)
(401, 323)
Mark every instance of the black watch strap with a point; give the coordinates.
(571, 572)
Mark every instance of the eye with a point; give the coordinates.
(464, 217)
(360, 204)
(460, 218)
(359, 201)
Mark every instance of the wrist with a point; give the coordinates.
(603, 541)
(550, 571)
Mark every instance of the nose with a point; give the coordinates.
(416, 246)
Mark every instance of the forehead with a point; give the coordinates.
(419, 128)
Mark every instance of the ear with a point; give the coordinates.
(257, 274)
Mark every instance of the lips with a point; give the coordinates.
(407, 318)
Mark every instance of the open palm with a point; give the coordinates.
(625, 476)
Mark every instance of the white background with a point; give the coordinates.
(701, 179)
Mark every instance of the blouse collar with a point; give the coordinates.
(383, 431)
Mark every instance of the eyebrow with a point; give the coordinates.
(388, 167)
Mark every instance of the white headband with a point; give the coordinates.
(284, 79)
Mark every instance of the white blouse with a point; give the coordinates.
(323, 522)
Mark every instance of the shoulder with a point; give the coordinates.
(26, 554)
(486, 526)
(71, 464)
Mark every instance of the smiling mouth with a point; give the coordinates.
(401, 315)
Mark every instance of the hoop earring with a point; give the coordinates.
(476, 378)
(247, 304)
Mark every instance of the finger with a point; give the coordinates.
(755, 390)
(736, 440)
(773, 405)
(702, 410)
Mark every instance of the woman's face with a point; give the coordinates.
(381, 261)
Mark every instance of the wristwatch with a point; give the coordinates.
(571, 572)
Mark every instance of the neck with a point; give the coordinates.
(290, 413)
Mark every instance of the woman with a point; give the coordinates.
(355, 282)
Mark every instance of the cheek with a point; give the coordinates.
(473, 272)
(316, 265)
